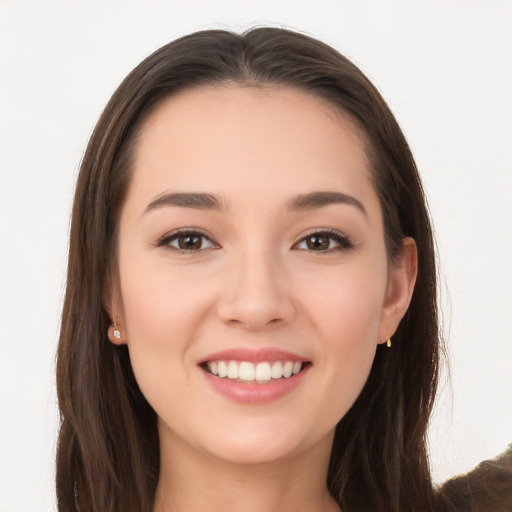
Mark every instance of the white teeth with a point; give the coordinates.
(246, 371)
(233, 370)
(287, 369)
(222, 368)
(277, 370)
(263, 372)
(251, 372)
(213, 367)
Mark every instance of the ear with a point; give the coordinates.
(400, 286)
(113, 304)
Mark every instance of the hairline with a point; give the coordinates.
(333, 110)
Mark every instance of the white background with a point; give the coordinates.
(445, 68)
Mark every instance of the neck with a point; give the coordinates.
(191, 480)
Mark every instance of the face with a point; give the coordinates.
(254, 285)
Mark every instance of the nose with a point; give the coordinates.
(256, 293)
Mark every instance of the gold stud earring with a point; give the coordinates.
(388, 343)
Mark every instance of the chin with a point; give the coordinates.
(253, 455)
(265, 445)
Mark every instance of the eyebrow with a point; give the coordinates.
(316, 200)
(203, 201)
(196, 200)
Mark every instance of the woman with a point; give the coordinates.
(250, 318)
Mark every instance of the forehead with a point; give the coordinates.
(248, 139)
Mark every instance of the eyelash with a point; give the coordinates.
(166, 240)
(343, 242)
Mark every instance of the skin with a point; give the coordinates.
(254, 282)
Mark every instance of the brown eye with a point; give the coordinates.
(324, 241)
(190, 242)
(187, 241)
(318, 242)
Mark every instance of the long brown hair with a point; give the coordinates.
(108, 448)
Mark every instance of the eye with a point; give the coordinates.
(324, 241)
(186, 241)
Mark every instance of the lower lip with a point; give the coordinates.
(255, 393)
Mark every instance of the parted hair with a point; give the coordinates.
(108, 446)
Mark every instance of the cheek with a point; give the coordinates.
(345, 304)
(344, 315)
(161, 311)
(160, 302)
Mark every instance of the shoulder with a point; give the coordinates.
(487, 488)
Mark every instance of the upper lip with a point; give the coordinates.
(253, 355)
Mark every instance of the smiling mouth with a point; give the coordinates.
(248, 372)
